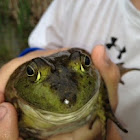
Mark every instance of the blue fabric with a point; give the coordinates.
(28, 50)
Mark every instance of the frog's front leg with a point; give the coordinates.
(92, 121)
(99, 115)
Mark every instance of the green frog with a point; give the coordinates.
(58, 94)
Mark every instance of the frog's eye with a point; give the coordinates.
(87, 60)
(30, 71)
(33, 74)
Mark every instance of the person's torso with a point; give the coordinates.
(115, 25)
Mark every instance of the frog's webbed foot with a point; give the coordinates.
(112, 117)
(124, 70)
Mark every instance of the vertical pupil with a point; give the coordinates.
(87, 60)
(30, 71)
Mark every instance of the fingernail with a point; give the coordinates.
(3, 112)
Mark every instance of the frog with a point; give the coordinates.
(59, 93)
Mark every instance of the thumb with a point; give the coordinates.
(109, 71)
(8, 122)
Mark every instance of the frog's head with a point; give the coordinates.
(61, 83)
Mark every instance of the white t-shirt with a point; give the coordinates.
(86, 23)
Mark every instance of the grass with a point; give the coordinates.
(17, 20)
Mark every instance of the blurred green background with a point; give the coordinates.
(17, 19)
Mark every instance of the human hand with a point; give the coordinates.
(108, 70)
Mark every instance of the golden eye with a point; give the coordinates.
(82, 68)
(38, 77)
(30, 71)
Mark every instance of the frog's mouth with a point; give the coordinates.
(55, 123)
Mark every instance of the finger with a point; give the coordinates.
(113, 132)
(83, 133)
(8, 122)
(109, 71)
(7, 70)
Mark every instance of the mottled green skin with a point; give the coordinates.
(60, 78)
(61, 83)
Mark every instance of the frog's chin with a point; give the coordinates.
(49, 123)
